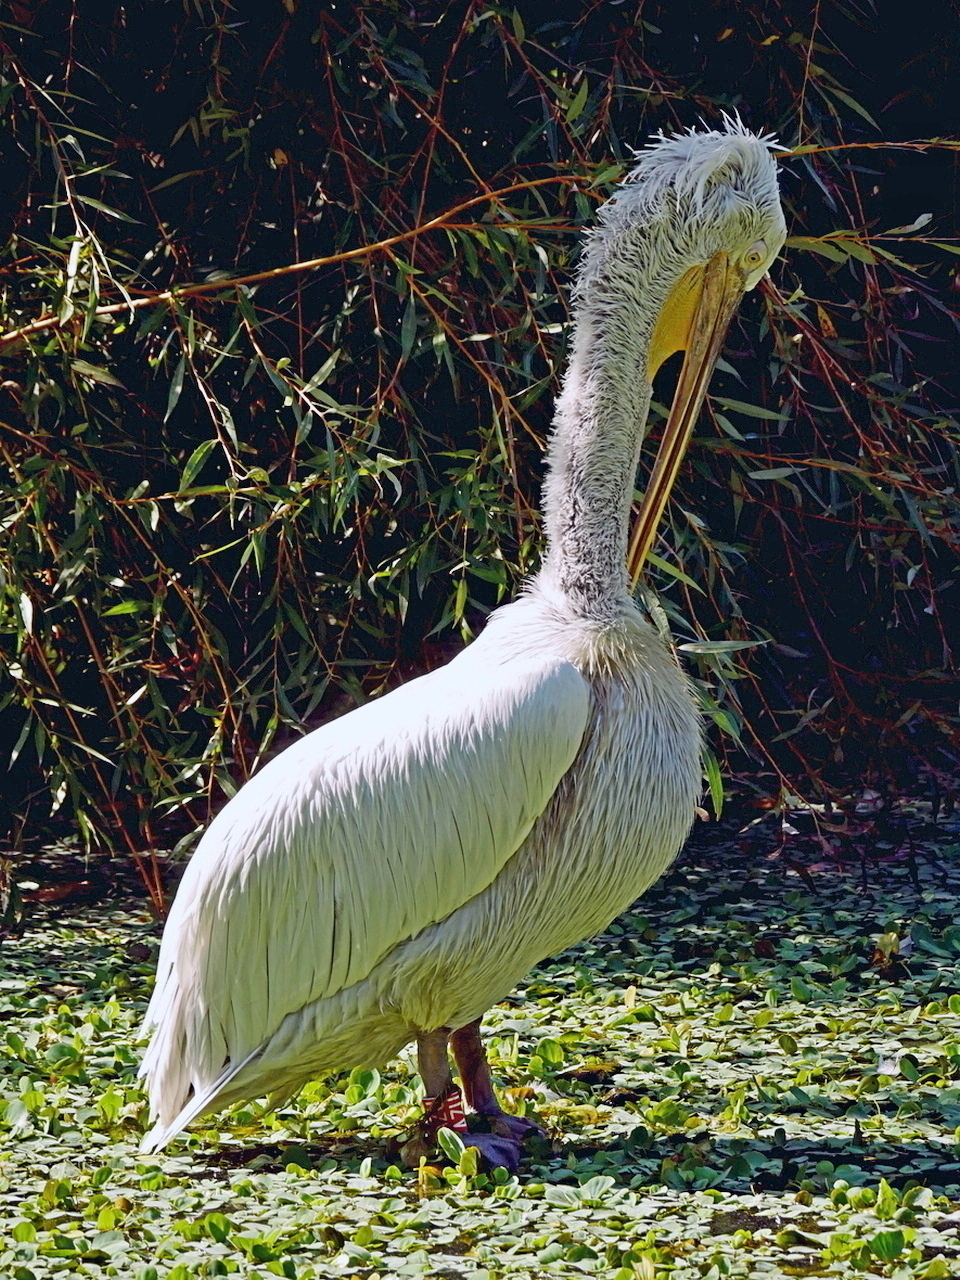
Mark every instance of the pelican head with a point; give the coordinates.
(693, 227)
(698, 204)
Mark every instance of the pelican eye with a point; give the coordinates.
(755, 256)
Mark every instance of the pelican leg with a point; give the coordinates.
(444, 1106)
(438, 1087)
(434, 1063)
(471, 1058)
(443, 1101)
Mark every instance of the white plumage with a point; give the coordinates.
(395, 872)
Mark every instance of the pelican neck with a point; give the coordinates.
(592, 458)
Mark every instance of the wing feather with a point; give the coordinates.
(347, 844)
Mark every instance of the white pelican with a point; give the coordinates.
(391, 875)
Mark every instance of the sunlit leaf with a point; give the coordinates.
(578, 101)
(176, 386)
(195, 462)
(95, 373)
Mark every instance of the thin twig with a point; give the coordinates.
(274, 273)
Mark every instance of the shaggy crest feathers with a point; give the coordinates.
(691, 161)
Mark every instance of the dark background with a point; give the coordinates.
(303, 542)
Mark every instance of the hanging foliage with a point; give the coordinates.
(284, 310)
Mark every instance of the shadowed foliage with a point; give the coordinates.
(284, 305)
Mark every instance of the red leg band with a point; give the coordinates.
(446, 1112)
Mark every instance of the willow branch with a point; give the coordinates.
(52, 321)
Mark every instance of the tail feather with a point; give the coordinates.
(206, 1100)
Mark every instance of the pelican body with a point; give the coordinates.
(391, 875)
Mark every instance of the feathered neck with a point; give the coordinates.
(600, 420)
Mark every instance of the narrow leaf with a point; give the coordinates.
(95, 373)
(750, 410)
(711, 769)
(827, 248)
(176, 386)
(105, 208)
(576, 106)
(127, 606)
(853, 104)
(177, 177)
(916, 225)
(773, 473)
(194, 463)
(665, 567)
(719, 646)
(408, 329)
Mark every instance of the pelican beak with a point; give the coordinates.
(695, 318)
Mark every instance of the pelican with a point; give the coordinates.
(392, 874)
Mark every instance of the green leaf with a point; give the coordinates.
(860, 251)
(194, 463)
(408, 328)
(450, 1143)
(178, 177)
(126, 606)
(711, 768)
(749, 410)
(826, 248)
(799, 989)
(852, 103)
(176, 386)
(217, 1226)
(597, 1190)
(719, 646)
(923, 938)
(552, 1253)
(95, 373)
(888, 1202)
(920, 221)
(672, 571)
(773, 473)
(576, 106)
(887, 1245)
(609, 173)
(26, 610)
(105, 208)
(567, 1197)
(908, 1069)
(551, 1051)
(324, 372)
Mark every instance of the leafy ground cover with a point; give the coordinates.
(753, 1073)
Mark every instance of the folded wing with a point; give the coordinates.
(347, 844)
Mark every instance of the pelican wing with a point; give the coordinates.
(348, 843)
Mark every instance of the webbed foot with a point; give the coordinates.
(496, 1151)
(516, 1128)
